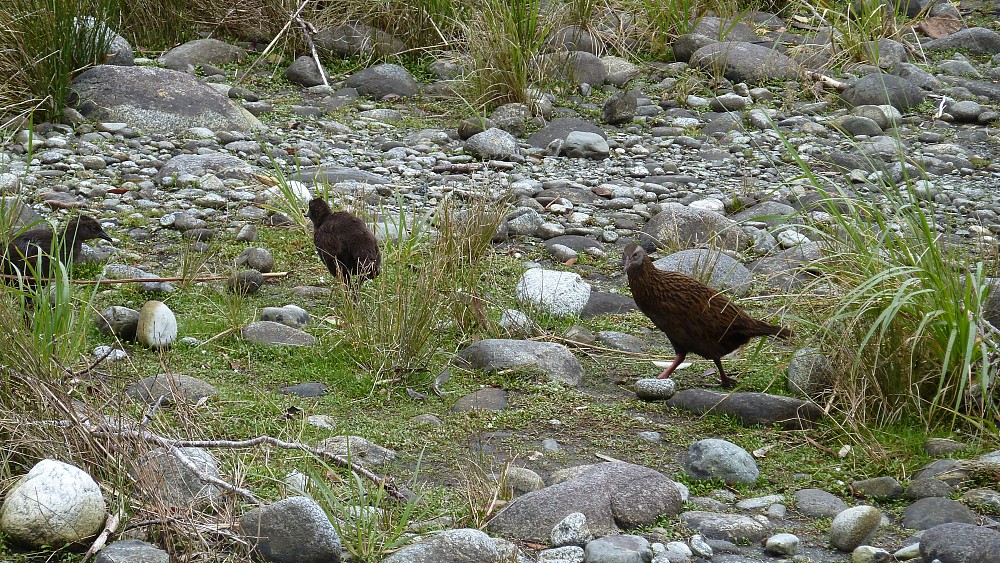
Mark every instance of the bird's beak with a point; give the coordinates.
(105, 236)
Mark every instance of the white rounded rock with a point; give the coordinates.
(556, 292)
(157, 327)
(54, 504)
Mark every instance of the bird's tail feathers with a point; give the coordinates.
(765, 329)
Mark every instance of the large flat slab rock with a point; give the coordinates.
(750, 408)
(613, 496)
(555, 361)
(156, 100)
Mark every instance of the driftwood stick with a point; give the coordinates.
(110, 527)
(143, 280)
(169, 443)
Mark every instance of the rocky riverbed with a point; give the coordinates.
(628, 152)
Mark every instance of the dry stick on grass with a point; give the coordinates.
(105, 431)
(144, 280)
(308, 30)
(110, 527)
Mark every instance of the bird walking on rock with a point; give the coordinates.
(29, 255)
(695, 317)
(345, 243)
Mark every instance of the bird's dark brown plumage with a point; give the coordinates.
(34, 248)
(345, 244)
(695, 317)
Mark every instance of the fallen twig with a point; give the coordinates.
(110, 527)
(169, 443)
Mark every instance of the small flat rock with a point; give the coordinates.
(933, 511)
(728, 527)
(246, 282)
(464, 545)
(358, 449)
(131, 551)
(620, 341)
(174, 388)
(854, 526)
(927, 487)
(311, 389)
(751, 408)
(621, 548)
(276, 334)
(157, 326)
(290, 315)
(817, 503)
(486, 399)
(653, 389)
(294, 529)
(782, 544)
(553, 360)
(886, 487)
(565, 554)
(492, 144)
(259, 259)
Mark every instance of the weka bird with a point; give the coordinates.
(695, 317)
(345, 244)
(29, 255)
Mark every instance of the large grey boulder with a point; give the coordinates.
(356, 38)
(383, 80)
(492, 144)
(718, 270)
(978, 40)
(224, 166)
(612, 496)
(553, 291)
(201, 51)
(272, 333)
(744, 62)
(678, 225)
(720, 459)
(52, 505)
(575, 67)
(156, 100)
(559, 129)
(878, 89)
(958, 543)
(293, 530)
(553, 360)
(166, 480)
(357, 449)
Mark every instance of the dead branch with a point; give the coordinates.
(828, 80)
(105, 431)
(110, 527)
(186, 462)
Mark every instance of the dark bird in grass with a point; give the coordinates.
(345, 244)
(695, 317)
(30, 253)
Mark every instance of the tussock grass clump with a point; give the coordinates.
(503, 39)
(44, 43)
(906, 323)
(430, 267)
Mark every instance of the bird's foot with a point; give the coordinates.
(727, 382)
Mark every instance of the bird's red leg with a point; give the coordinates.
(677, 361)
(727, 382)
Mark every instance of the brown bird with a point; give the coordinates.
(345, 244)
(695, 317)
(30, 253)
